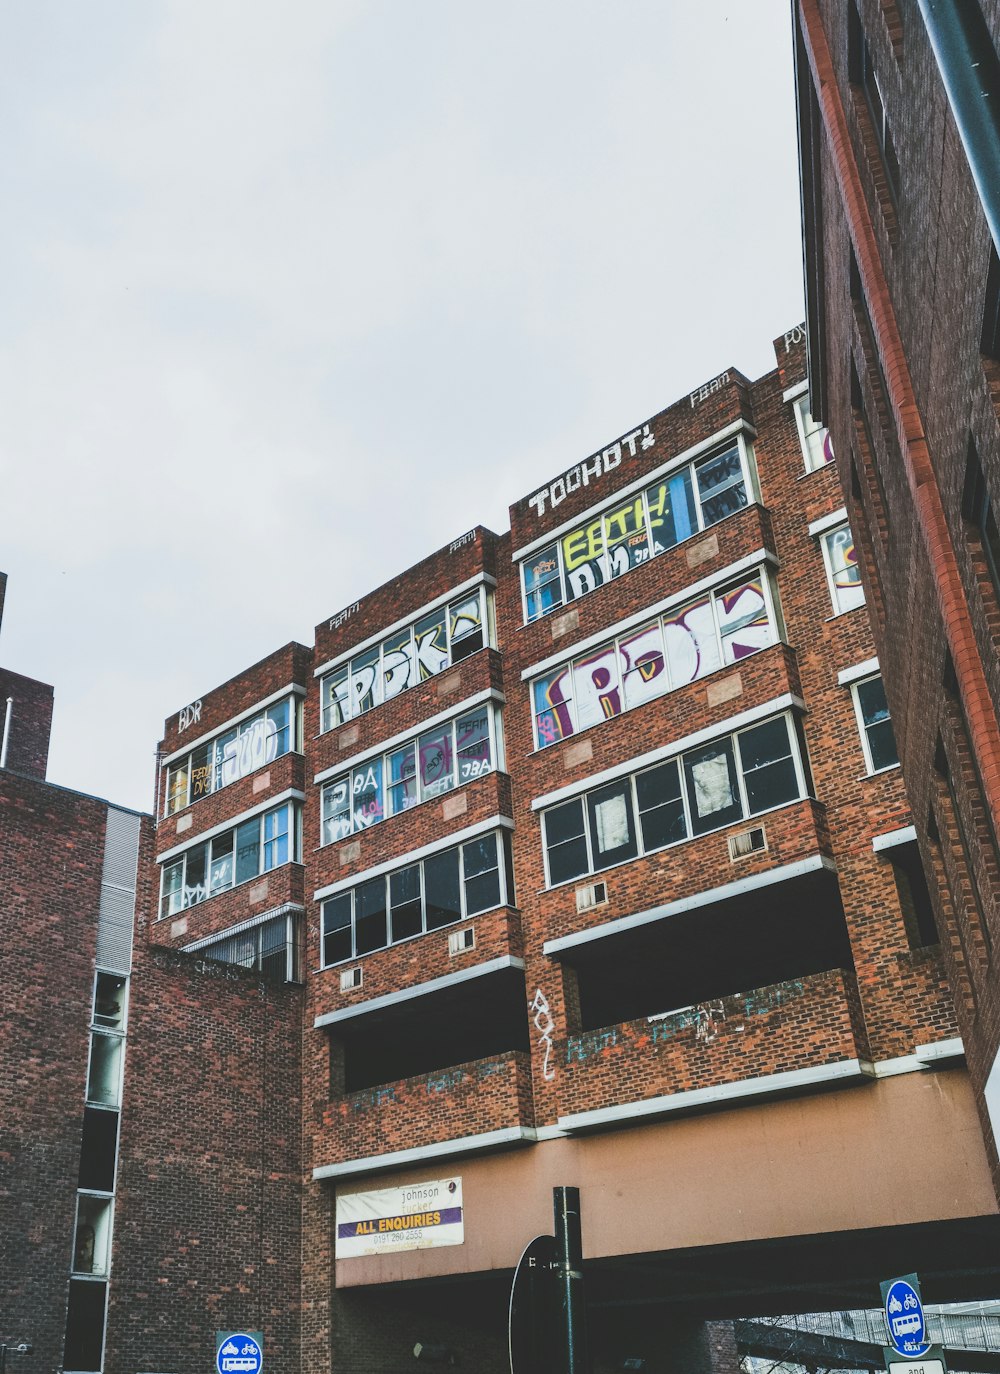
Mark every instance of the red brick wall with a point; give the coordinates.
(207, 1226)
(30, 722)
(51, 852)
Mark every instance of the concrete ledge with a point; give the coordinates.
(443, 1149)
(939, 1050)
(846, 1071)
(890, 838)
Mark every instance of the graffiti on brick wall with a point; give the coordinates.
(460, 543)
(371, 1099)
(188, 715)
(702, 393)
(794, 336)
(591, 469)
(544, 1025)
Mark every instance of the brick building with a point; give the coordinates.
(68, 869)
(900, 153)
(576, 855)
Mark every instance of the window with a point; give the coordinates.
(449, 755)
(684, 644)
(877, 739)
(256, 846)
(989, 343)
(404, 659)
(862, 74)
(444, 888)
(240, 751)
(614, 541)
(978, 509)
(817, 446)
(843, 575)
(739, 775)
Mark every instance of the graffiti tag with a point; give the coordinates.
(593, 467)
(702, 393)
(545, 1025)
(188, 715)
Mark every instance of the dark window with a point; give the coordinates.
(990, 341)
(405, 904)
(873, 710)
(442, 889)
(97, 1153)
(337, 933)
(712, 788)
(914, 896)
(482, 874)
(85, 1325)
(566, 841)
(661, 808)
(977, 507)
(862, 73)
(768, 766)
(370, 916)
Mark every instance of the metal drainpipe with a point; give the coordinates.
(6, 732)
(970, 71)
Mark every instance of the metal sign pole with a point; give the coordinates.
(569, 1277)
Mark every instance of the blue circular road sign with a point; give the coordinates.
(239, 1353)
(904, 1318)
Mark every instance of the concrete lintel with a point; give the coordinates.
(442, 1149)
(447, 980)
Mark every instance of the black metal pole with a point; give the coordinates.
(569, 1275)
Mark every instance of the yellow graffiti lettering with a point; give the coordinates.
(582, 545)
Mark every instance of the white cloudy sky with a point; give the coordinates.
(293, 294)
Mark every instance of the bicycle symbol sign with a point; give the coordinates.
(904, 1318)
(238, 1352)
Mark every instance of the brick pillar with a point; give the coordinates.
(701, 1348)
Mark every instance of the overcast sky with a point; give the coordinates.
(293, 294)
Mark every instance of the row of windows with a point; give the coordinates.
(716, 629)
(436, 892)
(409, 656)
(739, 775)
(445, 757)
(231, 756)
(609, 544)
(236, 856)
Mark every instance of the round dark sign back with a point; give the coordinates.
(533, 1303)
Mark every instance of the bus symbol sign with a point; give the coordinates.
(904, 1316)
(239, 1352)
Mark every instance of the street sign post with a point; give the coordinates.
(904, 1317)
(239, 1352)
(532, 1325)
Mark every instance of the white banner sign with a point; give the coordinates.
(414, 1217)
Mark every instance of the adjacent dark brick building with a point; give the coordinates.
(898, 119)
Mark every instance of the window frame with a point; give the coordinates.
(824, 536)
(494, 735)
(800, 408)
(630, 779)
(481, 592)
(241, 727)
(506, 897)
(762, 572)
(615, 504)
(870, 769)
(206, 846)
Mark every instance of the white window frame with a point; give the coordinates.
(800, 407)
(749, 474)
(678, 759)
(775, 621)
(486, 621)
(506, 899)
(205, 842)
(870, 769)
(240, 727)
(497, 765)
(824, 535)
